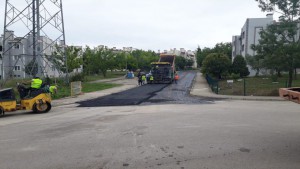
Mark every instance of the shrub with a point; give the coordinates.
(77, 77)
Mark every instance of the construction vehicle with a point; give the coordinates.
(163, 71)
(39, 101)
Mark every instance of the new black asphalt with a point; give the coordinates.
(176, 93)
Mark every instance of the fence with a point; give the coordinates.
(214, 84)
(252, 86)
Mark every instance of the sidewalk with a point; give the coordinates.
(201, 88)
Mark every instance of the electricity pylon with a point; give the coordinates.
(33, 30)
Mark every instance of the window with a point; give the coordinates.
(1, 48)
(243, 35)
(17, 46)
(17, 57)
(17, 68)
(243, 47)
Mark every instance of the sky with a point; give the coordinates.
(154, 24)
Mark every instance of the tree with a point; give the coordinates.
(255, 62)
(101, 60)
(216, 64)
(224, 48)
(221, 48)
(86, 57)
(180, 62)
(74, 61)
(239, 66)
(199, 56)
(279, 44)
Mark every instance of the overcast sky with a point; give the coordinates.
(154, 24)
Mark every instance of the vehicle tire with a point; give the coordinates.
(41, 107)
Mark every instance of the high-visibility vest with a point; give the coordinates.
(151, 78)
(143, 77)
(52, 89)
(36, 83)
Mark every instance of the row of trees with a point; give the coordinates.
(217, 62)
(100, 60)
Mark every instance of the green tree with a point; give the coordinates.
(255, 62)
(180, 62)
(216, 64)
(239, 66)
(280, 43)
(87, 54)
(224, 48)
(71, 62)
(101, 61)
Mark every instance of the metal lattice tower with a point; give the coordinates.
(33, 30)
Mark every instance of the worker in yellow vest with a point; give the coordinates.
(36, 83)
(151, 79)
(53, 89)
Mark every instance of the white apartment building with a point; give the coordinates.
(241, 44)
(20, 53)
(188, 54)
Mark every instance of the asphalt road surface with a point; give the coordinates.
(223, 135)
(162, 128)
(151, 94)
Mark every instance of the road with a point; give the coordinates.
(151, 94)
(211, 134)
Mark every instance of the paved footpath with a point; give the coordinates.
(200, 88)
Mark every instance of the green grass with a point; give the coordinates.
(91, 87)
(65, 90)
(255, 86)
(109, 75)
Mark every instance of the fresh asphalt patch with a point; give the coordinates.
(133, 96)
(149, 94)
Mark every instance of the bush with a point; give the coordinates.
(234, 76)
(216, 64)
(77, 77)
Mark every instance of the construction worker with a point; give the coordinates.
(151, 79)
(35, 84)
(53, 90)
(143, 79)
(176, 78)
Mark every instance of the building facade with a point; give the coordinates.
(19, 53)
(188, 54)
(250, 35)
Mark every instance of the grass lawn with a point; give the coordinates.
(65, 90)
(255, 86)
(109, 75)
